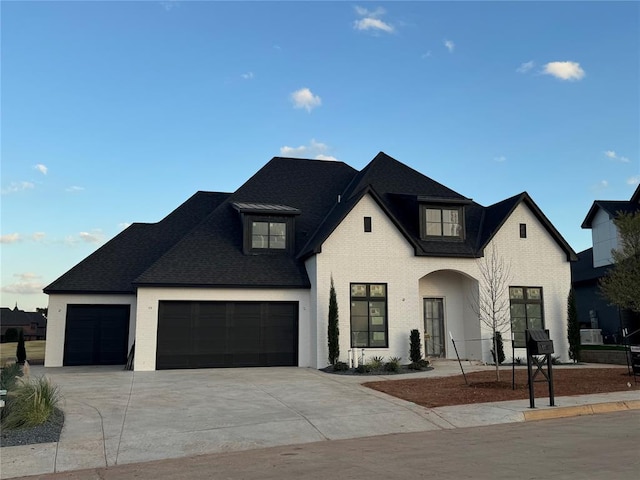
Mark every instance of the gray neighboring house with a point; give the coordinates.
(594, 311)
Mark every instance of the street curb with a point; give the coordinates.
(574, 411)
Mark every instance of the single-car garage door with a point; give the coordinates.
(96, 335)
(227, 334)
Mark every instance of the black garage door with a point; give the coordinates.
(227, 334)
(96, 335)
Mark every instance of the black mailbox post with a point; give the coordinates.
(539, 344)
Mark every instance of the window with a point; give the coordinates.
(369, 315)
(367, 224)
(523, 230)
(526, 312)
(268, 235)
(443, 222)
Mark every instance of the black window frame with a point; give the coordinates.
(523, 230)
(367, 224)
(519, 335)
(369, 298)
(248, 234)
(448, 238)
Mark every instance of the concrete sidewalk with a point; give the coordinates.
(115, 417)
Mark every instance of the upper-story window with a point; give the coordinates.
(267, 228)
(442, 218)
(443, 222)
(268, 235)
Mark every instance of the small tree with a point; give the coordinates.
(333, 330)
(497, 342)
(415, 347)
(573, 328)
(491, 303)
(11, 335)
(621, 285)
(21, 352)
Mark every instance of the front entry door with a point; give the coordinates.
(434, 327)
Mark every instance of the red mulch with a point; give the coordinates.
(440, 392)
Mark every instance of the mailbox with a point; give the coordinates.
(538, 342)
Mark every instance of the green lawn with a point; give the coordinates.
(35, 351)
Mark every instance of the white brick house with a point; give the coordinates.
(243, 279)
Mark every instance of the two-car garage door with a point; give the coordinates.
(227, 334)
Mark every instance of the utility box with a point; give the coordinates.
(538, 342)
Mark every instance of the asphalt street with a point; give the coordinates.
(603, 446)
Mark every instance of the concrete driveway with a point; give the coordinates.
(117, 417)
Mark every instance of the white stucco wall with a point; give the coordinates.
(57, 320)
(604, 235)
(147, 315)
(384, 256)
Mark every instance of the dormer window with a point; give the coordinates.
(442, 218)
(443, 222)
(266, 228)
(268, 235)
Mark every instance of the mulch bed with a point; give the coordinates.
(446, 391)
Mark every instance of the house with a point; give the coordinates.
(32, 324)
(594, 311)
(243, 278)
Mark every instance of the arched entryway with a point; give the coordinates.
(448, 313)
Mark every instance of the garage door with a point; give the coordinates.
(96, 335)
(227, 334)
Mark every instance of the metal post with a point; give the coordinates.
(458, 356)
(550, 379)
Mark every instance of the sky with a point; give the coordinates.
(117, 112)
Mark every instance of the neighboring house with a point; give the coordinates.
(594, 311)
(32, 324)
(242, 279)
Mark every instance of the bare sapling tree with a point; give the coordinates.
(491, 302)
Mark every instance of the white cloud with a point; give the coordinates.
(17, 187)
(611, 154)
(38, 236)
(371, 20)
(247, 76)
(564, 70)
(24, 288)
(74, 189)
(450, 45)
(304, 98)
(41, 168)
(10, 238)
(633, 180)
(168, 5)
(501, 158)
(316, 150)
(603, 184)
(525, 67)
(26, 276)
(124, 225)
(95, 236)
(427, 54)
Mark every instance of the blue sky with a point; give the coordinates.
(117, 112)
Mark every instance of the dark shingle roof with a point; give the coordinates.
(201, 242)
(113, 267)
(14, 317)
(611, 207)
(212, 254)
(583, 271)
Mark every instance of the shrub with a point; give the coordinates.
(340, 367)
(500, 345)
(555, 360)
(376, 363)
(333, 330)
(11, 335)
(415, 347)
(421, 364)
(393, 365)
(21, 352)
(9, 376)
(363, 368)
(31, 403)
